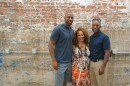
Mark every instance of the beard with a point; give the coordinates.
(68, 23)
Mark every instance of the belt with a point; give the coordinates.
(95, 60)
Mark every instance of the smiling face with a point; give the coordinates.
(96, 25)
(68, 19)
(80, 36)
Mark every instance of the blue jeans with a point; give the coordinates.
(63, 74)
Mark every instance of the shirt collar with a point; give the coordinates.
(96, 35)
(66, 26)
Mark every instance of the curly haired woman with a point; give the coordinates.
(80, 62)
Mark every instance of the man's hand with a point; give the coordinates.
(102, 69)
(55, 65)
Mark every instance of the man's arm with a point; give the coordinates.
(51, 51)
(106, 47)
(103, 66)
(106, 57)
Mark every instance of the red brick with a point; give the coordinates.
(84, 10)
(122, 14)
(20, 11)
(13, 20)
(102, 13)
(113, 7)
(91, 7)
(104, 4)
(121, 7)
(2, 9)
(3, 4)
(1, 13)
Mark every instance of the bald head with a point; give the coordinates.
(68, 19)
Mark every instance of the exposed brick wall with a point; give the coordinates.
(28, 24)
(48, 14)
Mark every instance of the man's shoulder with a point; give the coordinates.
(104, 34)
(58, 27)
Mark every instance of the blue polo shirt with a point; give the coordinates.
(98, 44)
(63, 36)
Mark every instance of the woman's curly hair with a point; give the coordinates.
(86, 36)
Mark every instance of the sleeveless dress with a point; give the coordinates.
(80, 64)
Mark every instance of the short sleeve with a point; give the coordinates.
(106, 43)
(55, 34)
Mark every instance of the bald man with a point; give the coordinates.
(60, 48)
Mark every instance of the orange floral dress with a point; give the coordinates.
(80, 67)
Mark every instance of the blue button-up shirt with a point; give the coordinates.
(98, 44)
(63, 36)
